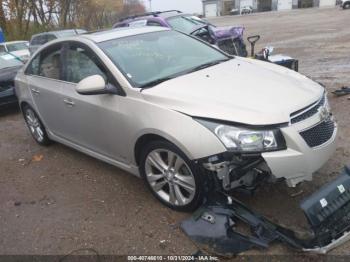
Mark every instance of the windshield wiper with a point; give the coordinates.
(206, 65)
(155, 82)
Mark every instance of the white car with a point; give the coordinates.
(345, 4)
(19, 49)
(246, 10)
(176, 111)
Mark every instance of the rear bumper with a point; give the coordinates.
(299, 161)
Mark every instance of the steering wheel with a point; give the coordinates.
(196, 32)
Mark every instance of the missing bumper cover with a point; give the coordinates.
(329, 222)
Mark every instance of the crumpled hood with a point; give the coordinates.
(241, 90)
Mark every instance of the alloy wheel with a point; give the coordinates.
(170, 177)
(34, 125)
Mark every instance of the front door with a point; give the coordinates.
(91, 121)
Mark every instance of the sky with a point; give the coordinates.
(188, 6)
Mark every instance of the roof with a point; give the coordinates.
(58, 32)
(122, 32)
(164, 14)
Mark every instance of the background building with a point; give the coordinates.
(223, 7)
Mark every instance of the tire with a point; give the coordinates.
(346, 6)
(35, 126)
(178, 185)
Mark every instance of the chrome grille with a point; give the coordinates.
(319, 134)
(310, 111)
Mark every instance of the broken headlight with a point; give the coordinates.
(244, 139)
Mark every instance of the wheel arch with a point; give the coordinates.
(146, 138)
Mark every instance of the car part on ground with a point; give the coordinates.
(224, 226)
(342, 91)
(265, 55)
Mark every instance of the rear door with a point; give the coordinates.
(44, 80)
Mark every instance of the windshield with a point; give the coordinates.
(17, 47)
(149, 57)
(185, 24)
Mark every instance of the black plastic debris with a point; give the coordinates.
(342, 91)
(216, 226)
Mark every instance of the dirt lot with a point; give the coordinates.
(54, 200)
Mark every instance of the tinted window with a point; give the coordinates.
(153, 23)
(80, 63)
(38, 40)
(33, 67)
(50, 38)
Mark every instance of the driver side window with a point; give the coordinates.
(81, 63)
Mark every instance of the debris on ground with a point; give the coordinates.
(342, 91)
(37, 158)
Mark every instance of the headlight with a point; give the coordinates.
(243, 139)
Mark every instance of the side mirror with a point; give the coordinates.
(92, 85)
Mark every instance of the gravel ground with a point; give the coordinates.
(54, 200)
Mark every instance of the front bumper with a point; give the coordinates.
(299, 161)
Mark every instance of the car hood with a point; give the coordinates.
(241, 90)
(21, 53)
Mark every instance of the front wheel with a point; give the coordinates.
(346, 6)
(172, 178)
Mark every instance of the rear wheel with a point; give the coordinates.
(35, 126)
(172, 178)
(346, 6)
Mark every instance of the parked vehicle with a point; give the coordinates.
(9, 66)
(345, 4)
(228, 39)
(18, 49)
(40, 39)
(176, 111)
(246, 10)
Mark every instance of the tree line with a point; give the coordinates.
(19, 19)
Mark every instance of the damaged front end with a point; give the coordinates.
(215, 226)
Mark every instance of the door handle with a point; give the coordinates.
(68, 102)
(35, 91)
